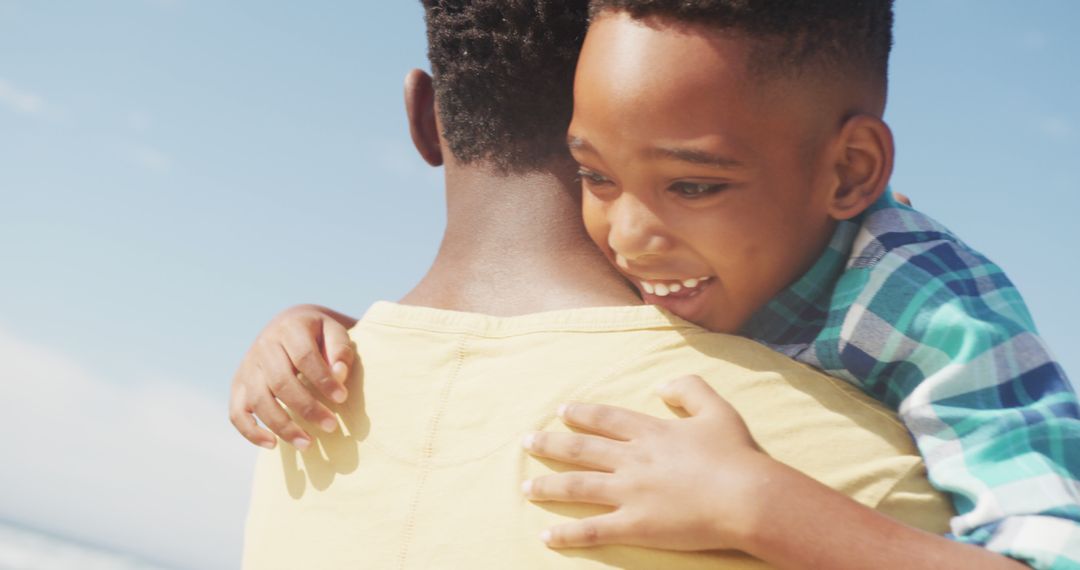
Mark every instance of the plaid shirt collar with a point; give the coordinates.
(798, 313)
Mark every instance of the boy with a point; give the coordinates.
(732, 191)
(747, 193)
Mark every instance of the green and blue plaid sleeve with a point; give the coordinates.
(910, 314)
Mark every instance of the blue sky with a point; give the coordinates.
(174, 172)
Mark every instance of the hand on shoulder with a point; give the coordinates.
(305, 350)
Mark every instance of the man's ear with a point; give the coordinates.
(420, 108)
(863, 166)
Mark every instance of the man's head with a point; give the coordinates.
(724, 139)
(503, 71)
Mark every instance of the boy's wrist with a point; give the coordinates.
(777, 497)
(747, 501)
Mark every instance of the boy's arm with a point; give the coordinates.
(305, 339)
(938, 332)
(808, 525)
(700, 483)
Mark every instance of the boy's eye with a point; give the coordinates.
(696, 189)
(592, 178)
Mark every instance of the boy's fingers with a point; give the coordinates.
(339, 353)
(305, 355)
(340, 371)
(609, 528)
(589, 451)
(286, 387)
(610, 421)
(590, 487)
(240, 414)
(274, 416)
(291, 392)
(247, 426)
(692, 394)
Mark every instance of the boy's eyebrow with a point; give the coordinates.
(692, 155)
(578, 143)
(696, 156)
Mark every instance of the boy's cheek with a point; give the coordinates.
(596, 223)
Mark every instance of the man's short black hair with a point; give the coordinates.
(503, 74)
(852, 37)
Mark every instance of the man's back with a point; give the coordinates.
(428, 471)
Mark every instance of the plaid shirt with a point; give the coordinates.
(907, 312)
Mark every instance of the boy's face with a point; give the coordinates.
(699, 180)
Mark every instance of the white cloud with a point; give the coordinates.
(139, 121)
(1056, 127)
(1033, 40)
(153, 468)
(20, 101)
(151, 158)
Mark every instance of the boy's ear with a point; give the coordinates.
(420, 108)
(863, 167)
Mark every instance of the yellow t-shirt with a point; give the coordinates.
(428, 468)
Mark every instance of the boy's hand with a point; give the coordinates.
(902, 198)
(682, 484)
(305, 339)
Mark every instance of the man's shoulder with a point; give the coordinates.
(818, 424)
(620, 356)
(747, 370)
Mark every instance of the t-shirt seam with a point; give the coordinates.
(574, 327)
(425, 465)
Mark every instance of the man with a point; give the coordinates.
(518, 314)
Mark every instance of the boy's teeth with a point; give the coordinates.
(665, 289)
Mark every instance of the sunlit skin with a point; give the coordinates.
(693, 166)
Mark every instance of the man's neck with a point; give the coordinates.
(515, 244)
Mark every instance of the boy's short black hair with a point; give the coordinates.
(503, 74)
(846, 36)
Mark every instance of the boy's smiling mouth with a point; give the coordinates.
(669, 286)
(681, 296)
(689, 303)
(672, 287)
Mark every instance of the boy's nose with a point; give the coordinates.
(636, 231)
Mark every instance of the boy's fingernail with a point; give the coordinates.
(267, 444)
(339, 396)
(545, 537)
(526, 487)
(528, 440)
(339, 370)
(329, 425)
(561, 412)
(301, 443)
